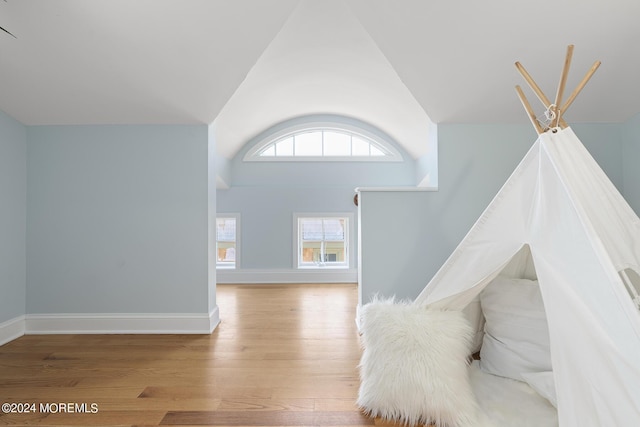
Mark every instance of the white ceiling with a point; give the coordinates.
(248, 64)
(129, 61)
(322, 62)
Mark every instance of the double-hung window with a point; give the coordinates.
(322, 241)
(227, 240)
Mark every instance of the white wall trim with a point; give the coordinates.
(214, 319)
(394, 189)
(321, 275)
(122, 323)
(12, 329)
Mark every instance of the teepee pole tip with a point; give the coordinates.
(561, 85)
(557, 111)
(529, 110)
(581, 85)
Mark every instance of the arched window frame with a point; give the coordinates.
(391, 154)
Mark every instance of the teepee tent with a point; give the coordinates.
(561, 215)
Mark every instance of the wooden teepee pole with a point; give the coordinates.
(536, 89)
(581, 85)
(532, 84)
(557, 120)
(562, 84)
(529, 110)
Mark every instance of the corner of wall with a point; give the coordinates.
(223, 173)
(212, 180)
(427, 165)
(13, 219)
(12, 329)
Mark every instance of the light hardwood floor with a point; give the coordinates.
(283, 355)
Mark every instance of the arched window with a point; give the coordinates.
(323, 141)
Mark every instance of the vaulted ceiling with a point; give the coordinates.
(248, 64)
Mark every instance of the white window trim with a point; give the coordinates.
(235, 216)
(253, 155)
(350, 243)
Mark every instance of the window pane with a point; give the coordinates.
(311, 251)
(285, 147)
(270, 151)
(334, 229)
(334, 252)
(226, 229)
(337, 144)
(308, 144)
(375, 151)
(226, 251)
(311, 229)
(359, 147)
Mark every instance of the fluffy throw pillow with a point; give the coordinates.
(516, 338)
(414, 366)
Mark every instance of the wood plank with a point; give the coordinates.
(57, 394)
(85, 419)
(243, 404)
(188, 392)
(267, 418)
(280, 349)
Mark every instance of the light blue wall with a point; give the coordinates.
(13, 213)
(631, 159)
(605, 142)
(117, 219)
(267, 194)
(113, 219)
(427, 165)
(474, 162)
(212, 251)
(223, 168)
(267, 219)
(401, 242)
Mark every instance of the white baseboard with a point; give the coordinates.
(12, 329)
(121, 323)
(287, 276)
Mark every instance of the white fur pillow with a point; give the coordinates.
(414, 366)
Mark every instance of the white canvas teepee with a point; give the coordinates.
(584, 241)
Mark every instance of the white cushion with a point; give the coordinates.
(544, 384)
(414, 365)
(516, 338)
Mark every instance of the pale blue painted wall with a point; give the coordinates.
(267, 219)
(605, 142)
(473, 162)
(212, 173)
(424, 228)
(427, 165)
(223, 168)
(401, 242)
(116, 216)
(117, 219)
(13, 213)
(267, 194)
(631, 158)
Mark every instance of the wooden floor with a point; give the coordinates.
(284, 355)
